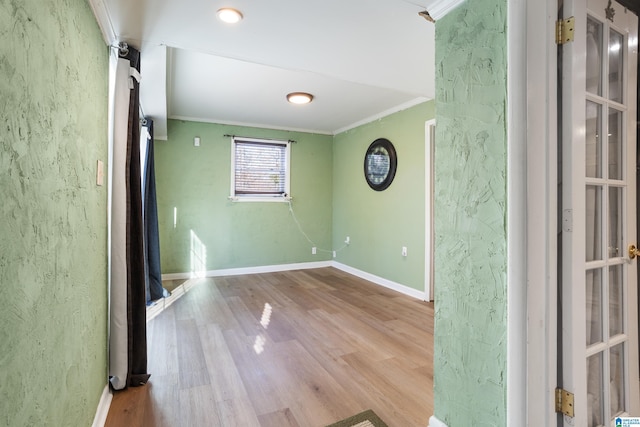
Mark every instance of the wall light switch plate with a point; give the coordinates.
(100, 173)
(196, 141)
(404, 251)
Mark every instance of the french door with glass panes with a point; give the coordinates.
(599, 277)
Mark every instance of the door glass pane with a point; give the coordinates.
(595, 401)
(593, 140)
(594, 306)
(614, 139)
(593, 244)
(594, 56)
(615, 222)
(616, 66)
(616, 310)
(617, 380)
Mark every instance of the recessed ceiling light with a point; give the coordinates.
(299, 98)
(229, 15)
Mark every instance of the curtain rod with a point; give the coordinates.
(266, 139)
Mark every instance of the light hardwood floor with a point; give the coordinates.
(302, 348)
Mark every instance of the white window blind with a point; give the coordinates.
(260, 168)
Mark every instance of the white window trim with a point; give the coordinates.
(252, 197)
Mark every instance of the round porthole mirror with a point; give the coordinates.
(380, 163)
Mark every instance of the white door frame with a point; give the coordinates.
(517, 215)
(429, 150)
(541, 213)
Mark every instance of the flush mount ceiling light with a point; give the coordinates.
(229, 15)
(299, 98)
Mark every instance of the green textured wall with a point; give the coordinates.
(380, 223)
(196, 181)
(470, 216)
(53, 262)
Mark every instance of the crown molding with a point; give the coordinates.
(383, 114)
(104, 21)
(439, 8)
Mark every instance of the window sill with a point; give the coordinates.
(273, 199)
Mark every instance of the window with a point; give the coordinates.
(259, 169)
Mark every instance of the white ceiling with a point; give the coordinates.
(361, 59)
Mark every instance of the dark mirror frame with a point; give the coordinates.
(393, 163)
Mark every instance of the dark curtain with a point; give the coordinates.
(154, 289)
(136, 298)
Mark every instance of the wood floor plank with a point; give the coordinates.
(392, 389)
(213, 307)
(192, 366)
(248, 320)
(160, 390)
(237, 412)
(221, 366)
(258, 377)
(283, 418)
(198, 407)
(357, 335)
(278, 326)
(299, 349)
(314, 393)
(128, 407)
(162, 344)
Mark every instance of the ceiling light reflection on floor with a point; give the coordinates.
(258, 346)
(266, 315)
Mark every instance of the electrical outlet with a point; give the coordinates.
(404, 251)
(347, 240)
(313, 250)
(334, 254)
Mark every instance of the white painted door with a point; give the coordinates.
(599, 280)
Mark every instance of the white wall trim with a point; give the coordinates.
(104, 21)
(439, 8)
(516, 378)
(103, 407)
(247, 124)
(434, 422)
(383, 114)
(429, 151)
(247, 270)
(381, 281)
(542, 209)
(300, 266)
(180, 276)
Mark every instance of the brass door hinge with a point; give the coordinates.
(565, 30)
(564, 402)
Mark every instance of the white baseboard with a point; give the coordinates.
(103, 408)
(434, 422)
(421, 295)
(381, 281)
(247, 270)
